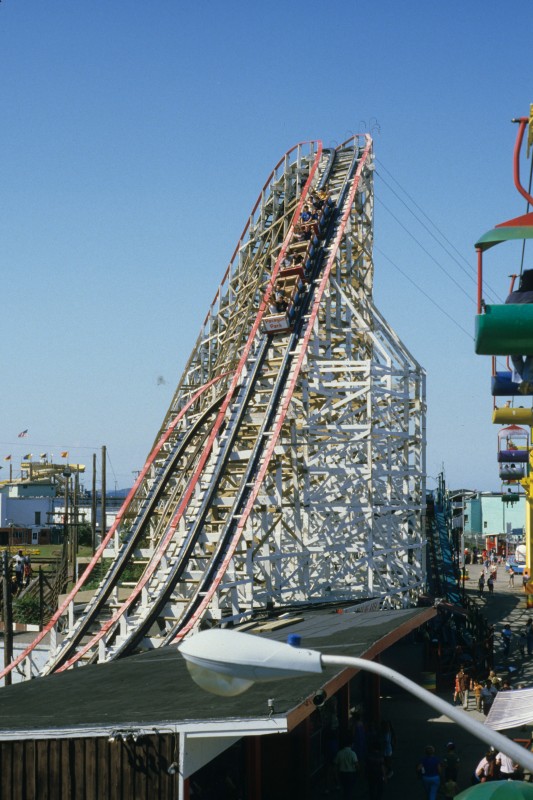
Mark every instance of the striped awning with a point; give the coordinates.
(511, 709)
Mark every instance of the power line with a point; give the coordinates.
(491, 293)
(427, 252)
(426, 295)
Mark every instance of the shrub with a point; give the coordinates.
(27, 610)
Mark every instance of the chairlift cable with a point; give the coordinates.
(379, 250)
(427, 252)
(470, 272)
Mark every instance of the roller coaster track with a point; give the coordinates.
(183, 521)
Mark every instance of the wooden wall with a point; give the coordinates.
(88, 769)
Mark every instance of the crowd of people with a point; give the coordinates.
(484, 690)
(441, 773)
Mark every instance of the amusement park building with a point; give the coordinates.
(140, 728)
(27, 505)
(38, 505)
(487, 515)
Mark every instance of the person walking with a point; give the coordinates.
(463, 685)
(478, 688)
(485, 769)
(347, 767)
(507, 636)
(27, 570)
(451, 763)
(506, 767)
(481, 584)
(495, 680)
(387, 741)
(487, 696)
(429, 768)
(529, 635)
(511, 577)
(457, 689)
(490, 584)
(19, 568)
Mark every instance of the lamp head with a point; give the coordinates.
(227, 662)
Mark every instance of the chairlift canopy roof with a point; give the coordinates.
(517, 228)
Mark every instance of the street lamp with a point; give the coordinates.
(227, 663)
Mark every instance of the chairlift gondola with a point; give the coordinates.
(509, 414)
(512, 473)
(513, 445)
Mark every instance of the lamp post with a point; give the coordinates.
(227, 663)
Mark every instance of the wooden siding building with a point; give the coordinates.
(139, 728)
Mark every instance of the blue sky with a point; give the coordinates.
(135, 139)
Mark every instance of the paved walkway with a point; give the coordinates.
(507, 604)
(417, 725)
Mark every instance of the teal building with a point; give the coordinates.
(485, 514)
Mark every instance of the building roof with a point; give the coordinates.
(154, 689)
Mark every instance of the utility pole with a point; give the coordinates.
(8, 618)
(68, 541)
(93, 506)
(41, 599)
(104, 456)
(75, 525)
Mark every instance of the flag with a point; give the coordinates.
(43, 455)
(7, 458)
(22, 434)
(27, 457)
(64, 454)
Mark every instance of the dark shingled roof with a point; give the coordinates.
(155, 688)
